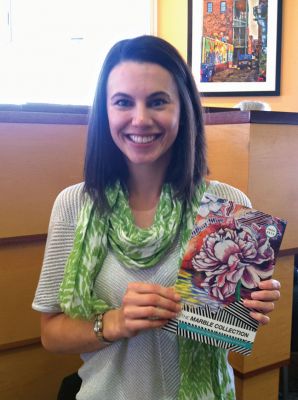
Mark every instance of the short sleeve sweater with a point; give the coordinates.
(143, 367)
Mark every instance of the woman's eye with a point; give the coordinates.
(123, 103)
(158, 102)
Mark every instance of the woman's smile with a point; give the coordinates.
(142, 139)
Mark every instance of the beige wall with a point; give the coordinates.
(172, 26)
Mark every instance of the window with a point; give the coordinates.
(209, 7)
(223, 7)
(52, 50)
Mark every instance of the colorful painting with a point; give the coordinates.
(234, 46)
(231, 249)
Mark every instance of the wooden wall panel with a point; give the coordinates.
(228, 153)
(37, 162)
(273, 174)
(19, 270)
(33, 373)
(262, 386)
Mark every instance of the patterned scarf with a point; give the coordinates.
(203, 368)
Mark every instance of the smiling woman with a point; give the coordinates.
(51, 51)
(116, 241)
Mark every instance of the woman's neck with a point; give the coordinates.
(144, 187)
(144, 193)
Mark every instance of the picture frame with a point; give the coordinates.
(234, 46)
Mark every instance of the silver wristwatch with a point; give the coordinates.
(98, 328)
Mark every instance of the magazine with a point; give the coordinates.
(231, 249)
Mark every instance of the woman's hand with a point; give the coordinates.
(262, 301)
(144, 306)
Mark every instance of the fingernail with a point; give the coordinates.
(178, 308)
(177, 297)
(276, 284)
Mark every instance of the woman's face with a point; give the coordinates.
(143, 111)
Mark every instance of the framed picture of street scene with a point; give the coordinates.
(234, 46)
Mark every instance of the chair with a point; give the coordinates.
(69, 387)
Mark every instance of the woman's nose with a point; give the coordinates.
(141, 116)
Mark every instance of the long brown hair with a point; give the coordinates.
(104, 162)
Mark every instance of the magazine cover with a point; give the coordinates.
(232, 248)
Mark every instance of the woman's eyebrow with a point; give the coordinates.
(160, 93)
(120, 94)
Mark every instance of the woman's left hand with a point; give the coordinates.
(262, 301)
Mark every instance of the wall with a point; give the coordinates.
(172, 26)
(37, 162)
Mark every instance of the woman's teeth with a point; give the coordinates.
(142, 138)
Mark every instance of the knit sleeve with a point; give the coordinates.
(228, 192)
(59, 244)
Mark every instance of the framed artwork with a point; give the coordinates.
(234, 46)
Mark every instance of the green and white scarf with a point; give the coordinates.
(203, 369)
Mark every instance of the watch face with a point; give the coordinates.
(98, 325)
(98, 329)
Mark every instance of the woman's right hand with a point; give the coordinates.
(144, 306)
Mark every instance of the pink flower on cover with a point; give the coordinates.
(228, 256)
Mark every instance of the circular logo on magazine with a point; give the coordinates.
(271, 231)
